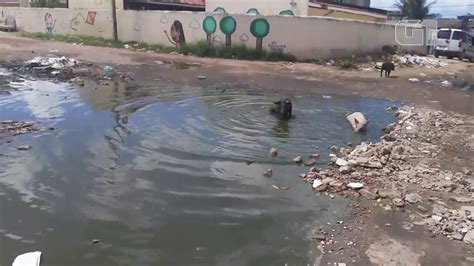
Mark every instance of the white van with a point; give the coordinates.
(449, 43)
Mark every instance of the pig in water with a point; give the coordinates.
(282, 109)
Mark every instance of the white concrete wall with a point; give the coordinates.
(304, 37)
(95, 4)
(265, 7)
(62, 21)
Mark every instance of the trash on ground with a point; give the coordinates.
(28, 259)
(277, 187)
(414, 80)
(446, 83)
(423, 61)
(52, 62)
(108, 69)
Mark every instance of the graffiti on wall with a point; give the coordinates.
(209, 25)
(79, 20)
(50, 23)
(91, 17)
(76, 21)
(228, 25)
(177, 34)
(259, 29)
(277, 48)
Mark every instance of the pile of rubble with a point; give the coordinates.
(405, 165)
(423, 61)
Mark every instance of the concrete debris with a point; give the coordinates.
(273, 152)
(346, 169)
(469, 237)
(319, 237)
(24, 147)
(367, 194)
(357, 120)
(398, 202)
(457, 236)
(462, 199)
(341, 162)
(317, 183)
(268, 173)
(202, 77)
(355, 185)
(413, 198)
(310, 162)
(298, 159)
(407, 157)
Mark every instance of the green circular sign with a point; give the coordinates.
(228, 25)
(219, 10)
(209, 25)
(253, 11)
(260, 28)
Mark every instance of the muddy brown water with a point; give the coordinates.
(158, 174)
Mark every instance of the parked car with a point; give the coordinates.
(450, 42)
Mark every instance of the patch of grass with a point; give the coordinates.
(237, 51)
(347, 63)
(200, 48)
(97, 41)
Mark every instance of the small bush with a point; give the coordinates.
(237, 51)
(200, 48)
(348, 63)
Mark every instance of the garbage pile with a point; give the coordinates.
(52, 62)
(423, 61)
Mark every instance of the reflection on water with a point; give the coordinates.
(158, 175)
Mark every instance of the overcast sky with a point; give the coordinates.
(448, 8)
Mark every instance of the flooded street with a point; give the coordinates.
(158, 174)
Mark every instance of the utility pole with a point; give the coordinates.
(114, 19)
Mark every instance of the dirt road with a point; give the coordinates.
(374, 235)
(281, 76)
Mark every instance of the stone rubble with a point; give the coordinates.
(406, 165)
